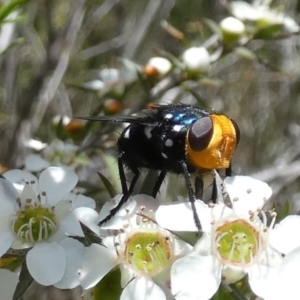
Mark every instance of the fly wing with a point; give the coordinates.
(145, 117)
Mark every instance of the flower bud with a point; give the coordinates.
(157, 66)
(232, 30)
(196, 60)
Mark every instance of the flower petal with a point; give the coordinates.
(19, 177)
(261, 279)
(246, 193)
(71, 226)
(127, 211)
(142, 288)
(148, 202)
(6, 236)
(8, 283)
(285, 236)
(287, 286)
(46, 263)
(179, 216)
(35, 163)
(88, 217)
(57, 182)
(75, 252)
(28, 193)
(97, 263)
(8, 195)
(79, 200)
(195, 277)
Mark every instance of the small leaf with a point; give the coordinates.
(109, 187)
(109, 287)
(7, 9)
(245, 53)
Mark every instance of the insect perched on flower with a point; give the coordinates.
(180, 139)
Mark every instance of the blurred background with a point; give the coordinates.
(80, 58)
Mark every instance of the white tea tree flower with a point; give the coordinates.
(37, 214)
(260, 13)
(235, 242)
(142, 249)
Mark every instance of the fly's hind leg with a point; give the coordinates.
(126, 193)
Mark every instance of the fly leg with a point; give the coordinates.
(126, 193)
(158, 183)
(192, 198)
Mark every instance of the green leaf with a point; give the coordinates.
(109, 187)
(109, 287)
(245, 53)
(7, 9)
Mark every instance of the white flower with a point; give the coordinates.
(235, 242)
(8, 283)
(114, 80)
(58, 153)
(261, 13)
(142, 249)
(158, 66)
(196, 59)
(37, 213)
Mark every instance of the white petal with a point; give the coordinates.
(19, 177)
(57, 182)
(126, 212)
(127, 274)
(71, 226)
(28, 193)
(285, 236)
(35, 163)
(8, 283)
(97, 263)
(148, 202)
(81, 201)
(179, 216)
(88, 217)
(203, 246)
(62, 209)
(6, 236)
(58, 236)
(261, 279)
(195, 277)
(287, 286)
(142, 288)
(232, 274)
(246, 193)
(75, 252)
(8, 195)
(46, 263)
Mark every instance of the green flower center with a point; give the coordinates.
(148, 252)
(34, 223)
(237, 242)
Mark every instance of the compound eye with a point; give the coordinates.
(200, 134)
(237, 131)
